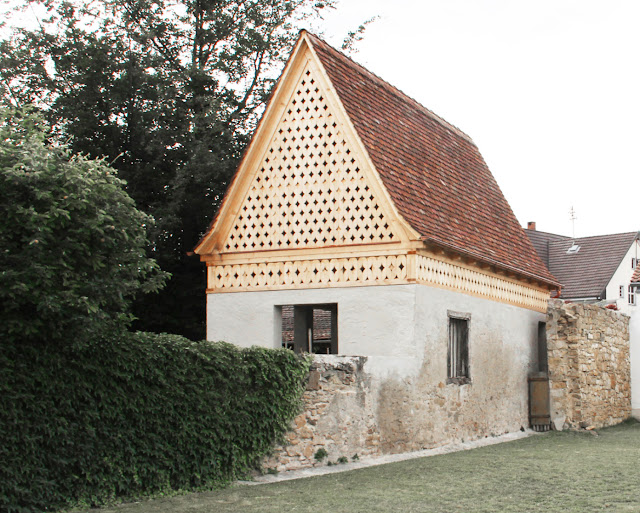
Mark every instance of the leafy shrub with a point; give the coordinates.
(72, 242)
(138, 415)
(321, 454)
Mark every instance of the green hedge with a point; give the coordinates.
(138, 416)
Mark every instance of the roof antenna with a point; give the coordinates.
(572, 218)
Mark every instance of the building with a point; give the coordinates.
(600, 269)
(361, 224)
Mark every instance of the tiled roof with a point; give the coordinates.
(636, 275)
(434, 173)
(541, 241)
(585, 273)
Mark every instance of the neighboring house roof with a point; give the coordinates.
(586, 272)
(434, 173)
(635, 279)
(541, 241)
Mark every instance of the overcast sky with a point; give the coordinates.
(549, 90)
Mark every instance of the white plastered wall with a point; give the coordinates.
(622, 277)
(403, 332)
(372, 321)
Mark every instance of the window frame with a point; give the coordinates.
(458, 348)
(303, 327)
(632, 295)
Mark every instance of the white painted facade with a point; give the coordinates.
(622, 278)
(403, 332)
(401, 324)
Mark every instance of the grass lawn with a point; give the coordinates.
(554, 472)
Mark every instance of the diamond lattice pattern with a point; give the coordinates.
(311, 190)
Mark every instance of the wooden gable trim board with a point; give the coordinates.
(301, 60)
(230, 203)
(404, 258)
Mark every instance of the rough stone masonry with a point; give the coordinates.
(349, 414)
(350, 411)
(338, 417)
(589, 371)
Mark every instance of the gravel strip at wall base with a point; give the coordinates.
(390, 458)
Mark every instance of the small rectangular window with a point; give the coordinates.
(458, 352)
(632, 295)
(310, 328)
(543, 365)
(621, 290)
(634, 262)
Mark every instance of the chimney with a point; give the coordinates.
(531, 225)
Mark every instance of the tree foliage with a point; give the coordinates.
(167, 91)
(72, 242)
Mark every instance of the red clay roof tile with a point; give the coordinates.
(434, 173)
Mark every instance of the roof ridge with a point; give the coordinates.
(527, 230)
(393, 89)
(590, 237)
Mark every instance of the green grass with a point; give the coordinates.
(555, 472)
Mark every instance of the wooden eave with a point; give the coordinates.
(483, 262)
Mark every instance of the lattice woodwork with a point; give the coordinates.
(433, 271)
(311, 190)
(373, 270)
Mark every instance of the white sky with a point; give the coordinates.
(548, 90)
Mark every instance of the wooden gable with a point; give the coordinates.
(305, 183)
(308, 208)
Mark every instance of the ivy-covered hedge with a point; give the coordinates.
(137, 416)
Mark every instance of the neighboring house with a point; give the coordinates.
(601, 269)
(359, 223)
(635, 279)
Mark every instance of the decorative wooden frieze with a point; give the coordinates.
(432, 271)
(310, 189)
(313, 273)
(372, 270)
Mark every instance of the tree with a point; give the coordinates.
(72, 242)
(168, 92)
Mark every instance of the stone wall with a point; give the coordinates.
(349, 410)
(589, 374)
(338, 416)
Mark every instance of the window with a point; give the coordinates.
(621, 290)
(543, 363)
(310, 328)
(632, 295)
(458, 352)
(634, 262)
